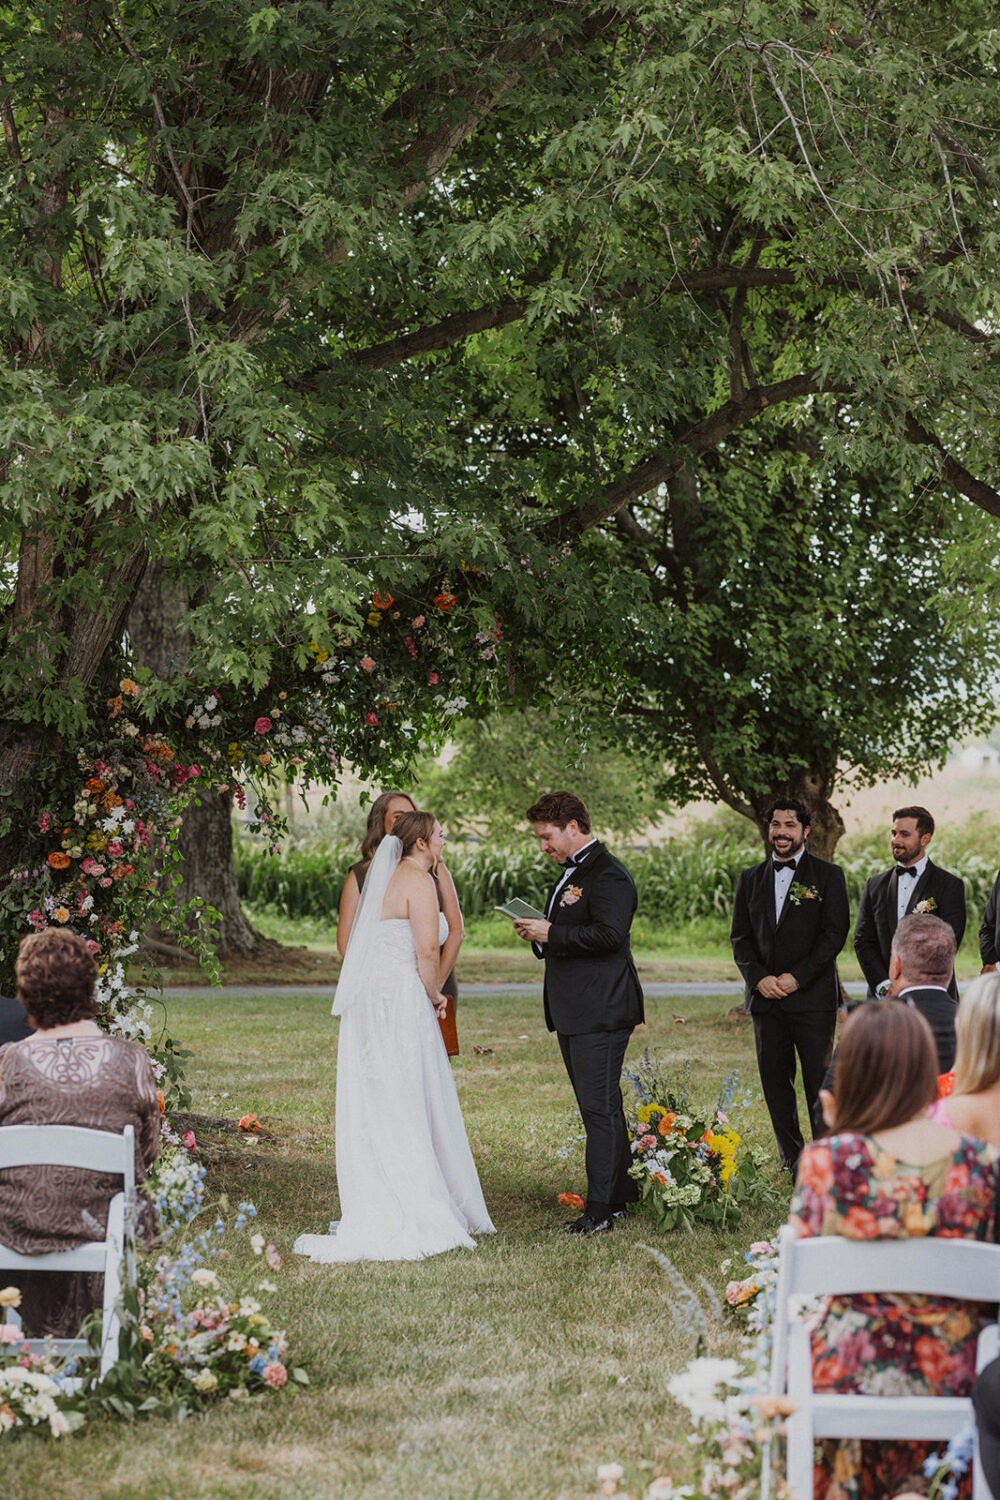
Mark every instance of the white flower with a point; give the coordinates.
(204, 1380)
(696, 1387)
(609, 1472)
(204, 1277)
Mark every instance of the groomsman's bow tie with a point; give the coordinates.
(782, 864)
(906, 870)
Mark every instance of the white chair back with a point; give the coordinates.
(113, 1257)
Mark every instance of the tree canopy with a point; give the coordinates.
(307, 301)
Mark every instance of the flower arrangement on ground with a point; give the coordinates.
(33, 1395)
(731, 1417)
(691, 1163)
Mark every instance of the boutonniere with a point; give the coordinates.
(571, 895)
(798, 893)
(922, 907)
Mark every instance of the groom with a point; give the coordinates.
(593, 998)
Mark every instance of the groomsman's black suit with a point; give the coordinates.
(940, 1011)
(593, 999)
(13, 1020)
(804, 942)
(989, 931)
(876, 924)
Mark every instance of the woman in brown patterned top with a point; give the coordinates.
(68, 1073)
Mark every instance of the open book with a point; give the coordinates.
(517, 908)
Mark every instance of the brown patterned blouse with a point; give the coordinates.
(103, 1083)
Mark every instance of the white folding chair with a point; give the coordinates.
(828, 1265)
(114, 1256)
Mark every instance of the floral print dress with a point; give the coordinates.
(891, 1345)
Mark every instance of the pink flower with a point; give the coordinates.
(273, 1258)
(89, 866)
(116, 849)
(275, 1375)
(263, 725)
(371, 718)
(45, 822)
(367, 664)
(9, 1334)
(188, 1139)
(105, 881)
(418, 622)
(92, 946)
(411, 645)
(432, 679)
(647, 1142)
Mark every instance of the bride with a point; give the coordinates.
(408, 1183)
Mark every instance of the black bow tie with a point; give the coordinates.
(782, 864)
(577, 859)
(906, 870)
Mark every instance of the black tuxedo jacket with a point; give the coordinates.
(989, 931)
(804, 943)
(591, 982)
(13, 1021)
(940, 1010)
(876, 922)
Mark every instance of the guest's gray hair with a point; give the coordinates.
(926, 948)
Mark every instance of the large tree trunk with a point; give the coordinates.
(161, 642)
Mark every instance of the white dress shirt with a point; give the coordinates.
(783, 883)
(906, 885)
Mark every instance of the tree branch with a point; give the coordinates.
(952, 472)
(699, 438)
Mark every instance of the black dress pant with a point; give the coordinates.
(594, 1064)
(780, 1035)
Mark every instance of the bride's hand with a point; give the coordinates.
(441, 1006)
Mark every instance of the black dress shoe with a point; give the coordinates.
(619, 1213)
(586, 1224)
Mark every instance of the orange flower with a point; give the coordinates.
(128, 686)
(382, 601)
(250, 1123)
(95, 786)
(444, 601)
(816, 1168)
(946, 1084)
(58, 860)
(161, 1101)
(570, 1200)
(860, 1223)
(665, 1124)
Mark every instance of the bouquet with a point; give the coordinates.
(690, 1162)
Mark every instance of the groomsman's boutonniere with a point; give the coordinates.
(571, 895)
(798, 893)
(922, 907)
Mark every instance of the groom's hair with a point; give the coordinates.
(559, 808)
(411, 826)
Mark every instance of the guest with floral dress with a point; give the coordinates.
(889, 1172)
(68, 1072)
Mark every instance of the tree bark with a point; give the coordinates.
(162, 642)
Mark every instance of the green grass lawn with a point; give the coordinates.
(513, 1370)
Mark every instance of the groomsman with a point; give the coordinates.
(989, 931)
(914, 884)
(790, 920)
(593, 998)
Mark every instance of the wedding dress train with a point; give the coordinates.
(408, 1184)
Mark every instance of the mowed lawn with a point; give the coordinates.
(510, 1371)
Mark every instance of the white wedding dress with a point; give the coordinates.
(408, 1184)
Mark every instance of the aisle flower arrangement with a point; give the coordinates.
(691, 1163)
(33, 1397)
(731, 1418)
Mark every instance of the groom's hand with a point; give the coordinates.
(533, 930)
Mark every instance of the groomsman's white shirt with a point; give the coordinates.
(783, 884)
(906, 884)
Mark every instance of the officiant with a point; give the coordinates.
(592, 996)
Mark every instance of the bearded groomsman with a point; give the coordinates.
(790, 920)
(914, 884)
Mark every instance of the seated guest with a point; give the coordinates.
(974, 1105)
(921, 963)
(68, 1072)
(13, 1020)
(888, 1172)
